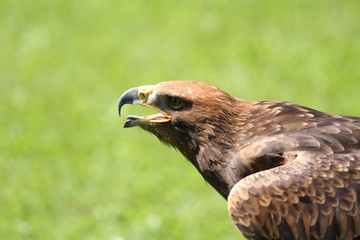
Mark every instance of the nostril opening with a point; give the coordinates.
(142, 96)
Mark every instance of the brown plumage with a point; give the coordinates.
(287, 171)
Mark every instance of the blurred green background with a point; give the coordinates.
(68, 170)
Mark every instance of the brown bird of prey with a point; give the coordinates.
(287, 171)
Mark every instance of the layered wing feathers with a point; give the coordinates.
(307, 199)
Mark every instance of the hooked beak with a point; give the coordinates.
(140, 96)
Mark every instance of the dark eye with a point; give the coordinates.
(175, 102)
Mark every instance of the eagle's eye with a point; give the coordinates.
(175, 103)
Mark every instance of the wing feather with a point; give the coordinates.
(312, 197)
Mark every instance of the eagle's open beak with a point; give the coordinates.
(140, 95)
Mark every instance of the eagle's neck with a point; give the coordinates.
(208, 148)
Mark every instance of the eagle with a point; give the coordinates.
(287, 171)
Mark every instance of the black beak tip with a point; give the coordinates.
(127, 124)
(128, 97)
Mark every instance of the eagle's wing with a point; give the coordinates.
(312, 197)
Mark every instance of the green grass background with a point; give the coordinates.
(68, 170)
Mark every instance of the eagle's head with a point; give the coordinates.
(194, 109)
